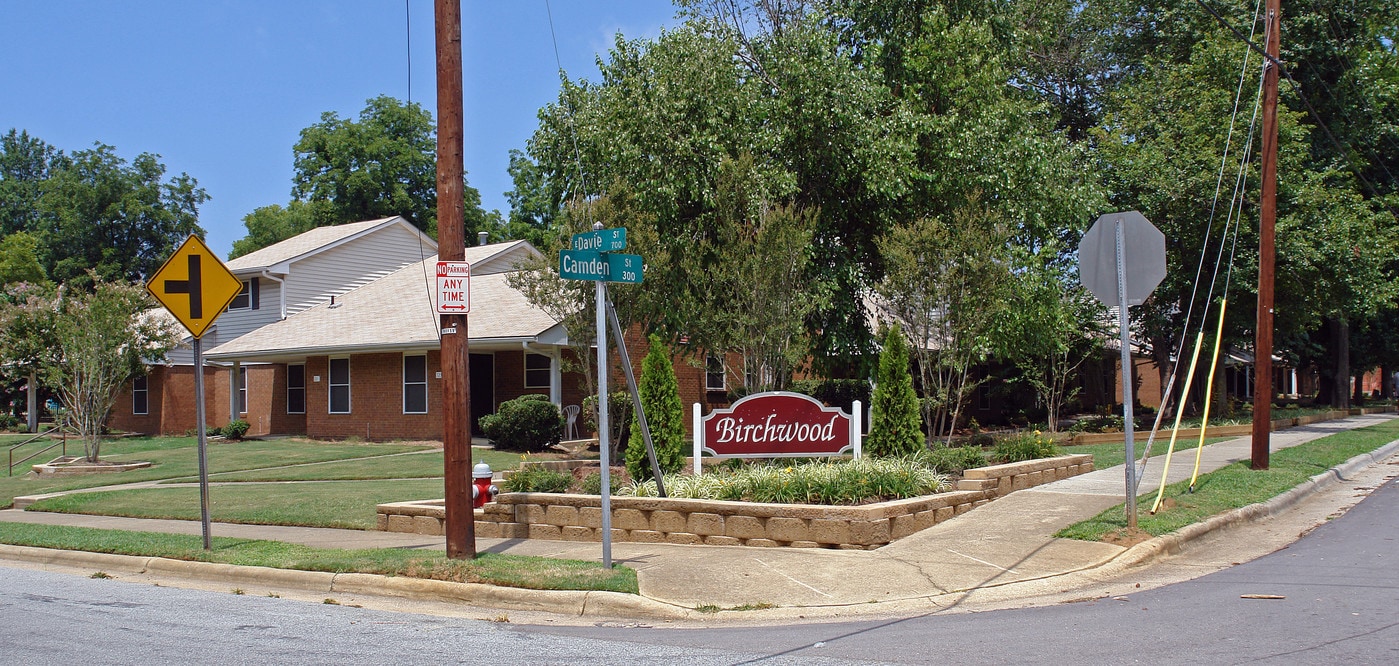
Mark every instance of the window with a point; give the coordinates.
(537, 370)
(296, 389)
(713, 372)
(414, 384)
(247, 297)
(140, 396)
(242, 390)
(339, 386)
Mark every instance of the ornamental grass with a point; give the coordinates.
(818, 482)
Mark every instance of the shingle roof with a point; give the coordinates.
(394, 312)
(306, 243)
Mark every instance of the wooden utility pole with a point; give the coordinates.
(1263, 343)
(451, 246)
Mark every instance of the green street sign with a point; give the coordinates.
(606, 266)
(624, 268)
(601, 240)
(582, 265)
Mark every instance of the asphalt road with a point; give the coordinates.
(1341, 605)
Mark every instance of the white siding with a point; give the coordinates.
(355, 263)
(234, 323)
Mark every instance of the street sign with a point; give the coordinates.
(582, 265)
(194, 286)
(453, 287)
(604, 266)
(624, 268)
(601, 240)
(1143, 257)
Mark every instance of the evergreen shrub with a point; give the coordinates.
(895, 425)
(665, 414)
(527, 424)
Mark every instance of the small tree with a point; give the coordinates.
(103, 338)
(665, 414)
(894, 407)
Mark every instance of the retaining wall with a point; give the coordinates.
(685, 521)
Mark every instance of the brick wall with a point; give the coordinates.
(376, 400)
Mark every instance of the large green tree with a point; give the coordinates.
(381, 164)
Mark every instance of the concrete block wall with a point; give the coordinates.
(710, 522)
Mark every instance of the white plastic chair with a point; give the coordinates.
(570, 412)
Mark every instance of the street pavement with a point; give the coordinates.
(1004, 549)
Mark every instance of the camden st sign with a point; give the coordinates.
(777, 424)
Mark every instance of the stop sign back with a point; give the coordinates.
(1143, 257)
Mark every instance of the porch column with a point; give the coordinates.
(555, 379)
(233, 391)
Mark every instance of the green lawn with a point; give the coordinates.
(174, 457)
(411, 466)
(1113, 454)
(1237, 486)
(506, 570)
(344, 504)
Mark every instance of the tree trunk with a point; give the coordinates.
(1340, 349)
(32, 416)
(1386, 382)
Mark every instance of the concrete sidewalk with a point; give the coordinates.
(1007, 541)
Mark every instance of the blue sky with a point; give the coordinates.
(221, 89)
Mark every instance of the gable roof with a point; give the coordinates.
(278, 256)
(395, 313)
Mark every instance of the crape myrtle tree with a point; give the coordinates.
(99, 339)
(348, 170)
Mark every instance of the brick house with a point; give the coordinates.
(278, 281)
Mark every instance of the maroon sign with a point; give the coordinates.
(776, 424)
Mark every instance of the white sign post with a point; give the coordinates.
(1121, 260)
(453, 287)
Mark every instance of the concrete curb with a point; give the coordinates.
(565, 602)
(1167, 544)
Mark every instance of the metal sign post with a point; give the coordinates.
(196, 287)
(592, 257)
(636, 398)
(1122, 270)
(602, 425)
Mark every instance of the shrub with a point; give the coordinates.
(665, 414)
(619, 415)
(1024, 446)
(526, 424)
(953, 459)
(591, 484)
(835, 392)
(894, 420)
(236, 429)
(537, 480)
(8, 422)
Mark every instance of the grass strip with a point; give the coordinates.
(1113, 454)
(535, 573)
(1236, 486)
(342, 504)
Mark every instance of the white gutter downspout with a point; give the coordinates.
(281, 292)
(555, 371)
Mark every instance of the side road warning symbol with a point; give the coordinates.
(194, 286)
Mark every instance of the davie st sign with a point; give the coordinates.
(778, 424)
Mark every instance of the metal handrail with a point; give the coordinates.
(46, 433)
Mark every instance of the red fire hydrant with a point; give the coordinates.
(482, 490)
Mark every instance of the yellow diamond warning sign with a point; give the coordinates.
(194, 286)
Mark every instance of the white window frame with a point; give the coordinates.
(301, 388)
(331, 386)
(407, 383)
(246, 293)
(140, 385)
(722, 372)
(242, 389)
(548, 371)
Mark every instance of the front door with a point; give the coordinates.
(482, 389)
